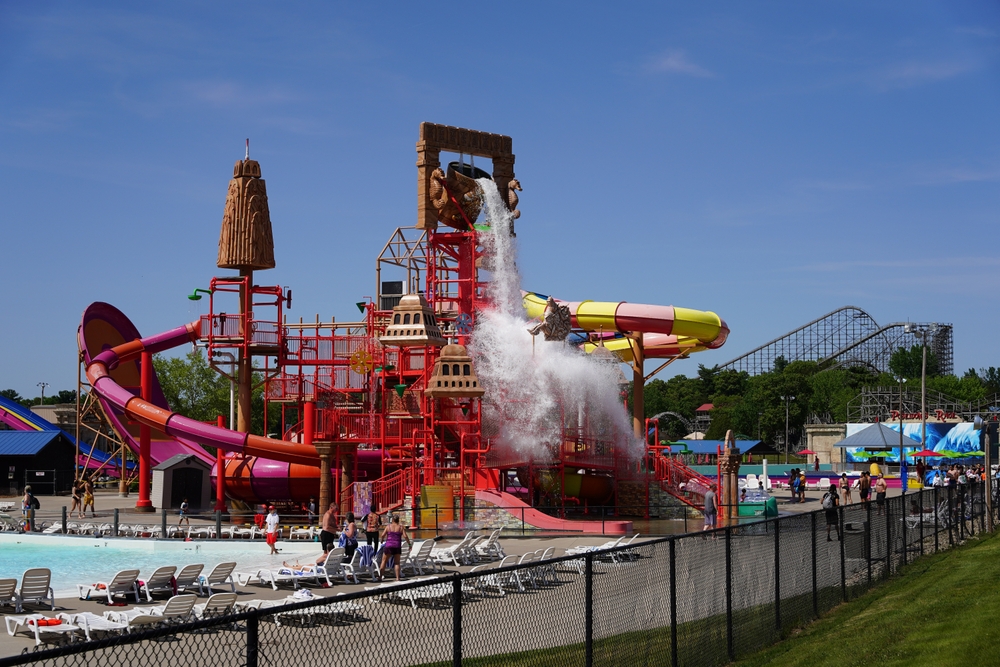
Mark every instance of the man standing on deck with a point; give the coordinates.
(710, 509)
(272, 529)
(328, 534)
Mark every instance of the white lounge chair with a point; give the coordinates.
(177, 610)
(8, 593)
(123, 583)
(161, 581)
(456, 554)
(332, 567)
(221, 575)
(421, 558)
(31, 624)
(284, 576)
(188, 577)
(491, 548)
(218, 604)
(302, 534)
(92, 624)
(36, 588)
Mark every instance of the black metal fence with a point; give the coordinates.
(696, 599)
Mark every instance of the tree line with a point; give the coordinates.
(753, 407)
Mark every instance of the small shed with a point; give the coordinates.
(43, 459)
(179, 477)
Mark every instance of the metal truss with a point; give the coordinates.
(847, 336)
(879, 403)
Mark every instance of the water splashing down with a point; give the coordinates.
(542, 394)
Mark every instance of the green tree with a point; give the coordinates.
(192, 387)
(11, 394)
(908, 363)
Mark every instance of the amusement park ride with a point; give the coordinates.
(388, 411)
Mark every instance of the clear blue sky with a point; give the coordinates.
(767, 161)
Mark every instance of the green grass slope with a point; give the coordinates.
(942, 610)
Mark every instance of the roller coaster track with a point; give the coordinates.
(847, 336)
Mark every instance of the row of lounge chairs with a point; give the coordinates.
(177, 609)
(163, 580)
(206, 531)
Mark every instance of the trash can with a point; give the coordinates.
(771, 508)
(856, 544)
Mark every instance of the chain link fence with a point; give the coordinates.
(696, 599)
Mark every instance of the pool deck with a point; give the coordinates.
(107, 501)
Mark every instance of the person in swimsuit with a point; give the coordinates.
(88, 499)
(830, 503)
(372, 524)
(184, 513)
(77, 499)
(880, 489)
(393, 537)
(350, 537)
(865, 488)
(845, 488)
(328, 534)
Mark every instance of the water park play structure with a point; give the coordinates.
(439, 395)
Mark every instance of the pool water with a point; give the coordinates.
(86, 560)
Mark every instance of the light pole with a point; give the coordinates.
(902, 455)
(232, 386)
(921, 333)
(787, 400)
(43, 385)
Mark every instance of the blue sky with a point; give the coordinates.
(767, 161)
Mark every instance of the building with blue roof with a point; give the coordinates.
(43, 459)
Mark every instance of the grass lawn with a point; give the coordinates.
(942, 610)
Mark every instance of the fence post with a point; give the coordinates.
(888, 537)
(729, 593)
(981, 488)
(902, 514)
(589, 612)
(868, 540)
(843, 555)
(456, 622)
(937, 530)
(777, 574)
(522, 522)
(436, 528)
(815, 591)
(961, 515)
(673, 602)
(922, 494)
(252, 640)
(163, 522)
(951, 516)
(218, 524)
(64, 519)
(115, 528)
(602, 519)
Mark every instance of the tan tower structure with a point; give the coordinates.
(246, 244)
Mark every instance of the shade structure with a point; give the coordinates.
(879, 455)
(862, 455)
(878, 435)
(805, 452)
(926, 453)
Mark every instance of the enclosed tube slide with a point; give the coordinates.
(667, 331)
(111, 365)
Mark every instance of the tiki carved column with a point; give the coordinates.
(428, 159)
(730, 464)
(246, 244)
(325, 491)
(503, 174)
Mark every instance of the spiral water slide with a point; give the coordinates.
(667, 331)
(112, 349)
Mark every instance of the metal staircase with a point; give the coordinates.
(680, 481)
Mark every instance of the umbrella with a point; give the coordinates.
(947, 453)
(881, 455)
(926, 452)
(861, 455)
(806, 452)
(978, 452)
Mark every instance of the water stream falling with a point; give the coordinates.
(536, 389)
